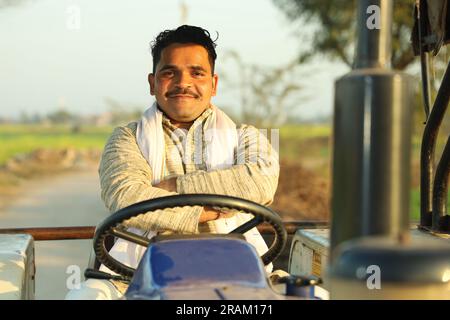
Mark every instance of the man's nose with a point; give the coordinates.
(183, 80)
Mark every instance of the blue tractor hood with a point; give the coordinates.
(189, 264)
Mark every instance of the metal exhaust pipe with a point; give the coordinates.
(372, 135)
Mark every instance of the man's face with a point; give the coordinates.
(183, 84)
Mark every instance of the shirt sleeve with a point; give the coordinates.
(254, 176)
(125, 179)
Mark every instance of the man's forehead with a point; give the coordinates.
(189, 66)
(184, 54)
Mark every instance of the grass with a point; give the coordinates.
(26, 138)
(19, 139)
(306, 141)
(303, 132)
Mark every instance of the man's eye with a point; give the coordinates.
(198, 73)
(167, 73)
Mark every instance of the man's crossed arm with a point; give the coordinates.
(126, 179)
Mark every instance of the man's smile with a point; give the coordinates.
(181, 97)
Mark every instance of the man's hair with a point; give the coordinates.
(184, 34)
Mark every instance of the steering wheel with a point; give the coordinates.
(111, 226)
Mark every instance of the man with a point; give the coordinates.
(182, 144)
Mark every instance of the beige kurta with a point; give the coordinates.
(125, 175)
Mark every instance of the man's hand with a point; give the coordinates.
(210, 214)
(168, 185)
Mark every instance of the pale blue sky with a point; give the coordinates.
(45, 64)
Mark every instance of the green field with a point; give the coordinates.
(296, 142)
(304, 131)
(19, 139)
(306, 142)
(26, 138)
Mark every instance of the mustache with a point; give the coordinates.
(183, 92)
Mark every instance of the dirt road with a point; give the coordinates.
(65, 200)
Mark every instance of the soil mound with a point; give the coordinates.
(301, 194)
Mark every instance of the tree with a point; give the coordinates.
(123, 113)
(335, 22)
(335, 32)
(62, 116)
(267, 94)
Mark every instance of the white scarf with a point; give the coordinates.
(221, 142)
(220, 136)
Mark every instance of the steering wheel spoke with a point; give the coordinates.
(248, 225)
(129, 236)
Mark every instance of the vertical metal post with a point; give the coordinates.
(441, 219)
(374, 27)
(372, 135)
(428, 147)
(424, 57)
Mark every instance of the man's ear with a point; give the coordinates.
(151, 81)
(215, 81)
